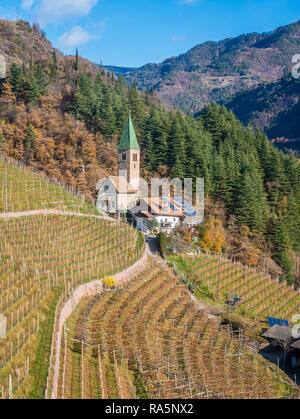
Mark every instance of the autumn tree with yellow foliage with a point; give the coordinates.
(214, 238)
(109, 282)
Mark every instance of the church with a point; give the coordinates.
(117, 194)
(122, 193)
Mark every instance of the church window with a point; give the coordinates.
(135, 157)
(124, 156)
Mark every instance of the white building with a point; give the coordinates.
(116, 194)
(2, 67)
(163, 213)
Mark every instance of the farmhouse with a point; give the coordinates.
(164, 213)
(160, 212)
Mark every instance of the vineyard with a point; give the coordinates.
(260, 295)
(150, 340)
(22, 190)
(42, 258)
(143, 337)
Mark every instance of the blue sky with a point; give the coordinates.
(135, 32)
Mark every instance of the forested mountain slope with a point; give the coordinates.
(67, 122)
(273, 107)
(215, 70)
(254, 67)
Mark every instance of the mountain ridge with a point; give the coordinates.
(220, 71)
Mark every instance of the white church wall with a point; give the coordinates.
(2, 67)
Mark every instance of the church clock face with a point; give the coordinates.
(2, 67)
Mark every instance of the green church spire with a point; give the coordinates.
(129, 140)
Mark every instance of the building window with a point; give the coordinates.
(135, 157)
(106, 188)
(124, 156)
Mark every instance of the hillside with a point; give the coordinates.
(119, 70)
(22, 43)
(167, 347)
(66, 122)
(218, 278)
(215, 71)
(42, 256)
(274, 108)
(90, 313)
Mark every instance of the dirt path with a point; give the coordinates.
(52, 212)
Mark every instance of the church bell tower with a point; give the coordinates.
(129, 156)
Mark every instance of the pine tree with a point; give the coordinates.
(31, 89)
(54, 66)
(29, 140)
(84, 102)
(2, 143)
(281, 245)
(17, 79)
(177, 149)
(251, 203)
(107, 113)
(137, 107)
(148, 150)
(178, 170)
(220, 179)
(77, 61)
(40, 79)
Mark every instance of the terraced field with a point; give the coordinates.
(147, 339)
(22, 190)
(150, 340)
(42, 258)
(261, 296)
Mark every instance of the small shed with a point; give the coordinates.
(295, 355)
(279, 335)
(282, 338)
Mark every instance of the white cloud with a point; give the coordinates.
(187, 2)
(27, 4)
(76, 36)
(178, 38)
(80, 36)
(52, 11)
